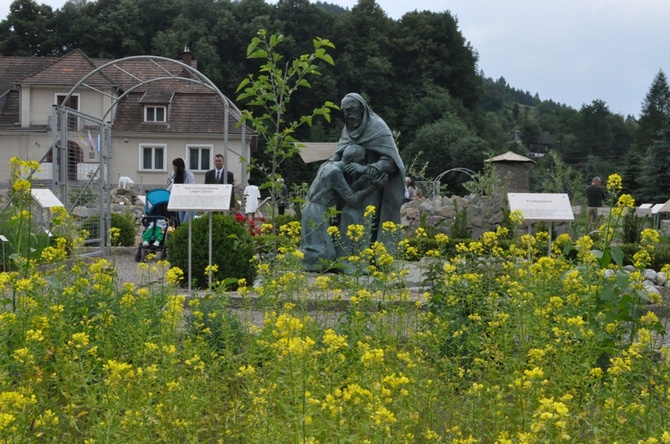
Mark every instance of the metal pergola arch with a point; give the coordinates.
(60, 115)
(436, 181)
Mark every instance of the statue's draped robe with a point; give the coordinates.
(381, 152)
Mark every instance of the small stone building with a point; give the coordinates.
(513, 170)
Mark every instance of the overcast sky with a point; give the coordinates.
(572, 51)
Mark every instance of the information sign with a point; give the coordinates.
(541, 206)
(45, 198)
(192, 197)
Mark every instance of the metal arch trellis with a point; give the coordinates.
(62, 111)
(436, 182)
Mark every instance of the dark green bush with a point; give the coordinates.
(661, 257)
(124, 222)
(232, 251)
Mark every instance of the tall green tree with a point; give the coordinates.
(28, 30)
(270, 92)
(654, 114)
(363, 53)
(429, 49)
(199, 26)
(594, 131)
(656, 178)
(446, 144)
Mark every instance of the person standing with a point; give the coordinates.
(252, 198)
(595, 194)
(282, 196)
(411, 188)
(181, 175)
(220, 176)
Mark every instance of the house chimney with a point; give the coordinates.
(187, 56)
(187, 59)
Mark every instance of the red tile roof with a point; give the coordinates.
(192, 107)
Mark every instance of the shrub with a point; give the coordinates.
(660, 256)
(232, 251)
(283, 219)
(124, 222)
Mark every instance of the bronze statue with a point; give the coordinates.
(364, 127)
(380, 162)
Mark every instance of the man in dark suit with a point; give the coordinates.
(216, 176)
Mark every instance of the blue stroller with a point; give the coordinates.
(156, 222)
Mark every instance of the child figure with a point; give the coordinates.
(154, 233)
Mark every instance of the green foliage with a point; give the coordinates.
(123, 222)
(659, 258)
(655, 113)
(283, 219)
(556, 176)
(656, 178)
(422, 244)
(232, 251)
(486, 183)
(416, 168)
(223, 328)
(450, 142)
(271, 92)
(632, 226)
(22, 241)
(459, 226)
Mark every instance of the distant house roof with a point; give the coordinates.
(315, 151)
(157, 97)
(509, 156)
(187, 115)
(193, 107)
(67, 70)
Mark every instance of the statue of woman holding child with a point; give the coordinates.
(366, 129)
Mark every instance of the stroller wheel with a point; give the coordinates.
(138, 255)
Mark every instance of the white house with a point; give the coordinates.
(153, 121)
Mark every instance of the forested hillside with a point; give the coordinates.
(419, 73)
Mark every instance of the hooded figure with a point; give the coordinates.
(364, 127)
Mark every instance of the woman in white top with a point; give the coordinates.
(181, 175)
(252, 197)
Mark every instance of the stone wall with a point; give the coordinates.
(482, 214)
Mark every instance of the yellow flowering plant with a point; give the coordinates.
(27, 234)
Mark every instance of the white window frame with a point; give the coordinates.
(155, 108)
(154, 147)
(200, 147)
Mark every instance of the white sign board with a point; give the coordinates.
(643, 210)
(657, 208)
(541, 206)
(192, 197)
(45, 198)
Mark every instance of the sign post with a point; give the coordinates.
(46, 199)
(544, 207)
(192, 197)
